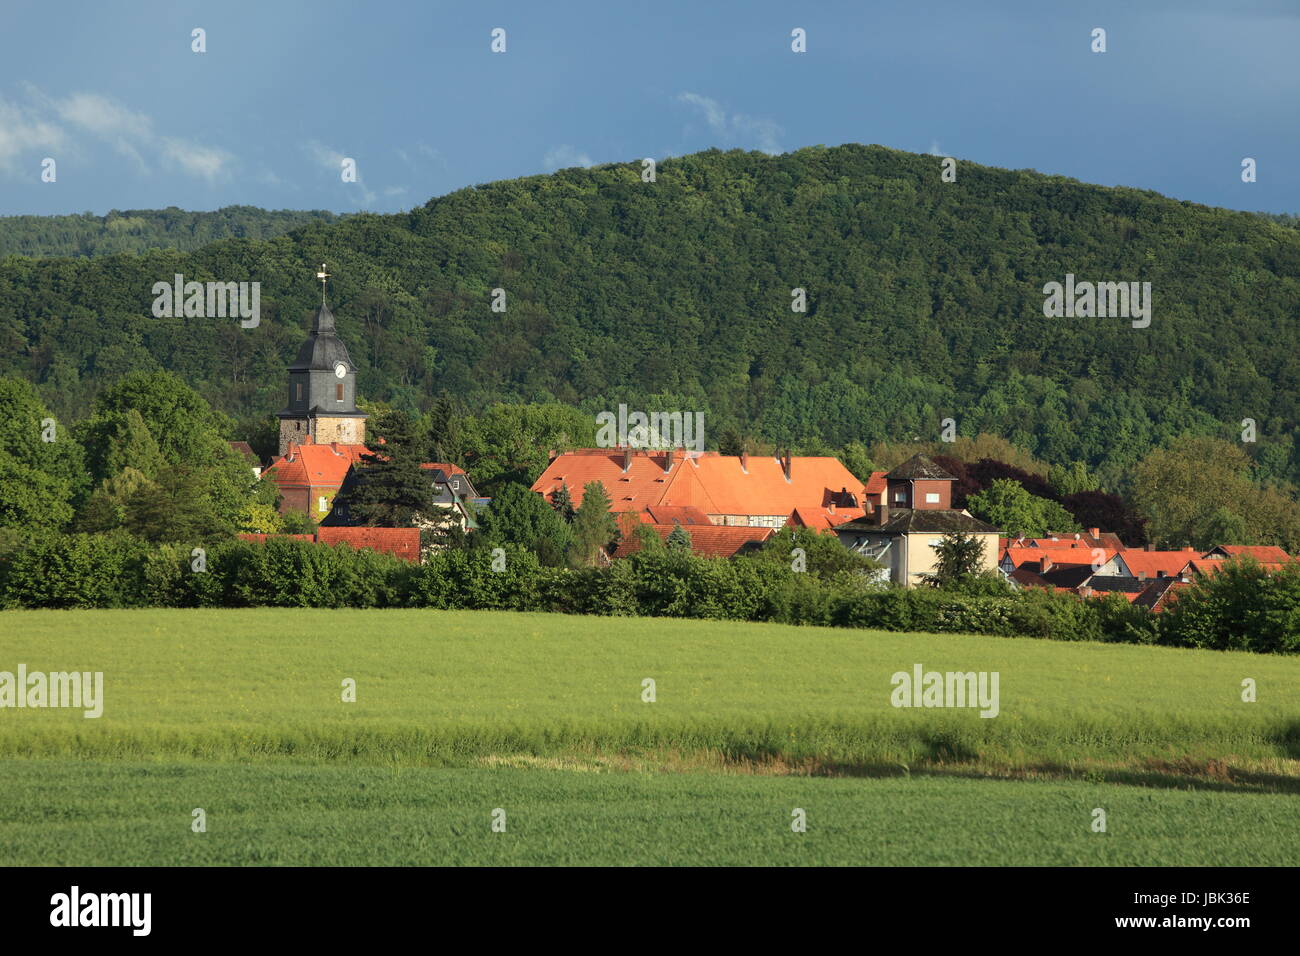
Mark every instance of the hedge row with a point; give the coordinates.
(1243, 607)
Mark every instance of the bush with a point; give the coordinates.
(1242, 607)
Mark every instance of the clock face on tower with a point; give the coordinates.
(340, 370)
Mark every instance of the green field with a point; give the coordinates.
(240, 712)
(63, 812)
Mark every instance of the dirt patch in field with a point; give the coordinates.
(1272, 776)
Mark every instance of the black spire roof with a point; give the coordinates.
(323, 348)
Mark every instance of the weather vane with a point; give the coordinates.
(323, 276)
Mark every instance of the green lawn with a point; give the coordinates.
(240, 712)
(91, 813)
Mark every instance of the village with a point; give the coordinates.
(726, 504)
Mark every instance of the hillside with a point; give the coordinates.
(924, 301)
(135, 230)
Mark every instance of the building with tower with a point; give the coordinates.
(322, 388)
(323, 435)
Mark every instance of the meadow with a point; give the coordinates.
(78, 813)
(241, 712)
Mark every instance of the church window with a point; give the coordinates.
(298, 392)
(338, 392)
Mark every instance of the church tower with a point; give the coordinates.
(322, 388)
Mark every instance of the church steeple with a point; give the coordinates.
(322, 387)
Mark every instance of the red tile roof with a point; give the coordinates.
(403, 543)
(1153, 563)
(1264, 554)
(824, 519)
(1058, 556)
(1082, 539)
(713, 541)
(714, 483)
(309, 465)
(667, 514)
(449, 468)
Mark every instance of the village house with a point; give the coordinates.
(752, 495)
(903, 532)
(1144, 576)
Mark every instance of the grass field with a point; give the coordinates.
(457, 713)
(75, 813)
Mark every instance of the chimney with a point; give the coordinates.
(1044, 564)
(785, 464)
(1148, 546)
(1095, 532)
(668, 461)
(627, 458)
(883, 513)
(744, 460)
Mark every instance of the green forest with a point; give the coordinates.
(924, 302)
(136, 230)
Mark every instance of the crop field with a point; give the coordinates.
(457, 714)
(75, 813)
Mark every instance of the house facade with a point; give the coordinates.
(904, 533)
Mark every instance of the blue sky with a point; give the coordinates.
(413, 93)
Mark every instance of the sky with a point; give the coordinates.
(412, 92)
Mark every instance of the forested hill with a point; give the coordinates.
(135, 230)
(925, 301)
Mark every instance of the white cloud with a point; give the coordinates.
(52, 123)
(736, 129)
(23, 134)
(562, 157)
(205, 162)
(935, 149)
(329, 158)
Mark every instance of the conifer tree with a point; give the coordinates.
(389, 487)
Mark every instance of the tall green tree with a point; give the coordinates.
(958, 558)
(593, 525)
(390, 487)
(1008, 506)
(679, 539)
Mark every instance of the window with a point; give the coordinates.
(338, 392)
(298, 392)
(900, 497)
(322, 504)
(932, 497)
